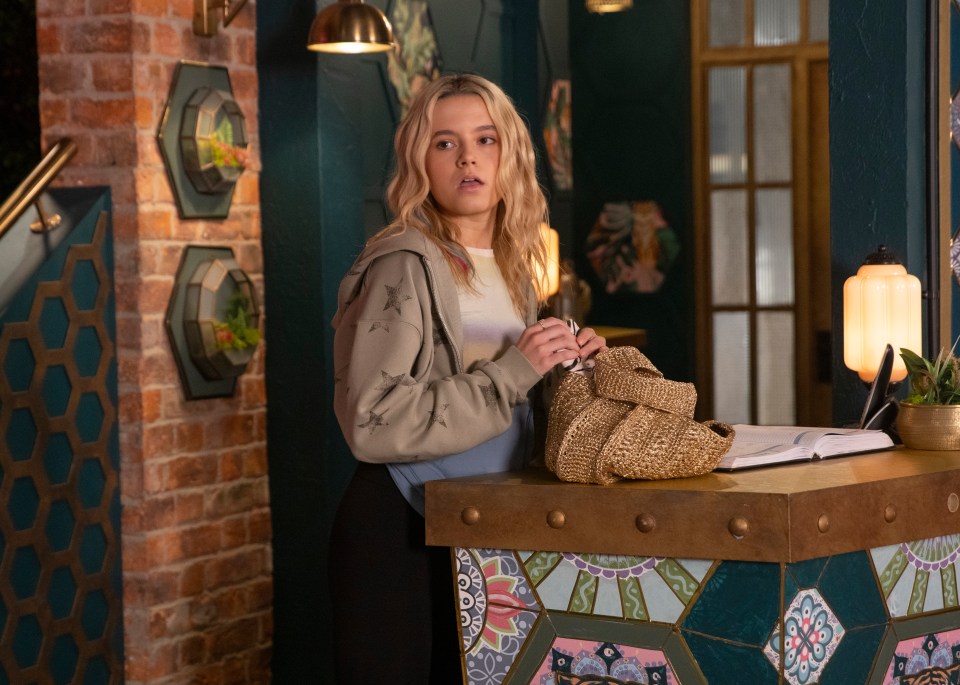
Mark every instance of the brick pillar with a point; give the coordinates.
(196, 518)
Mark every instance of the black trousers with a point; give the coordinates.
(394, 609)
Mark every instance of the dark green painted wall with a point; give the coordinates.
(631, 121)
(326, 127)
(877, 129)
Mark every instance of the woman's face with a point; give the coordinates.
(463, 159)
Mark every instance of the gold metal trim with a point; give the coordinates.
(205, 15)
(28, 192)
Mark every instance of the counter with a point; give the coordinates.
(695, 580)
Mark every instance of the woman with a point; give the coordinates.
(436, 350)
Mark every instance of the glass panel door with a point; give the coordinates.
(755, 185)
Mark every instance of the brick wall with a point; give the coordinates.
(196, 518)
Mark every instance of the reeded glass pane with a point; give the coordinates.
(729, 256)
(731, 367)
(728, 150)
(819, 29)
(774, 241)
(776, 22)
(772, 139)
(776, 403)
(726, 23)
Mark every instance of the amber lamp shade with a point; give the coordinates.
(350, 26)
(881, 306)
(548, 283)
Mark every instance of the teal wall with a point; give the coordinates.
(877, 153)
(631, 141)
(325, 128)
(326, 125)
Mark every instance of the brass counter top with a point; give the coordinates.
(785, 513)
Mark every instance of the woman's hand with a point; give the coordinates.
(590, 343)
(549, 342)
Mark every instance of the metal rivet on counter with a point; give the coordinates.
(953, 503)
(556, 519)
(823, 523)
(738, 527)
(890, 513)
(646, 523)
(470, 515)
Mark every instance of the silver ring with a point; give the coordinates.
(541, 324)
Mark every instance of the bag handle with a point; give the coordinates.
(625, 374)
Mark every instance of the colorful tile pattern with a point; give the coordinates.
(808, 635)
(926, 660)
(497, 611)
(560, 618)
(503, 597)
(920, 576)
(601, 663)
(630, 587)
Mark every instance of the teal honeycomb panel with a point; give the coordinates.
(21, 434)
(62, 593)
(739, 602)
(61, 600)
(27, 638)
(19, 365)
(64, 659)
(58, 458)
(54, 322)
(56, 390)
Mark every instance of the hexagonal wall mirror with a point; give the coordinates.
(203, 140)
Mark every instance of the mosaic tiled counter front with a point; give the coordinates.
(840, 572)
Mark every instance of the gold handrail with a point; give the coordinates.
(28, 192)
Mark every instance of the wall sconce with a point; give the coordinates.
(881, 306)
(607, 6)
(351, 27)
(548, 283)
(205, 14)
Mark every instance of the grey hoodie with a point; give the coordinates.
(401, 393)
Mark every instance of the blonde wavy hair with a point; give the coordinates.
(517, 242)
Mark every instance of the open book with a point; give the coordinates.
(761, 445)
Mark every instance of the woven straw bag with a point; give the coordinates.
(628, 421)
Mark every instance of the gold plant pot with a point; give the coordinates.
(929, 426)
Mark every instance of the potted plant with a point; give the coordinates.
(929, 418)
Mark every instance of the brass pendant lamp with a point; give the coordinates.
(350, 26)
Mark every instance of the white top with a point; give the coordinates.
(490, 321)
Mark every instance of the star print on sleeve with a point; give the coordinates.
(490, 394)
(379, 325)
(374, 422)
(395, 297)
(338, 376)
(437, 416)
(388, 382)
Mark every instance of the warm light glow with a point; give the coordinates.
(881, 305)
(604, 6)
(349, 48)
(549, 283)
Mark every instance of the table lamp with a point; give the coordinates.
(881, 315)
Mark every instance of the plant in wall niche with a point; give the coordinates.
(222, 149)
(929, 419)
(933, 382)
(234, 332)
